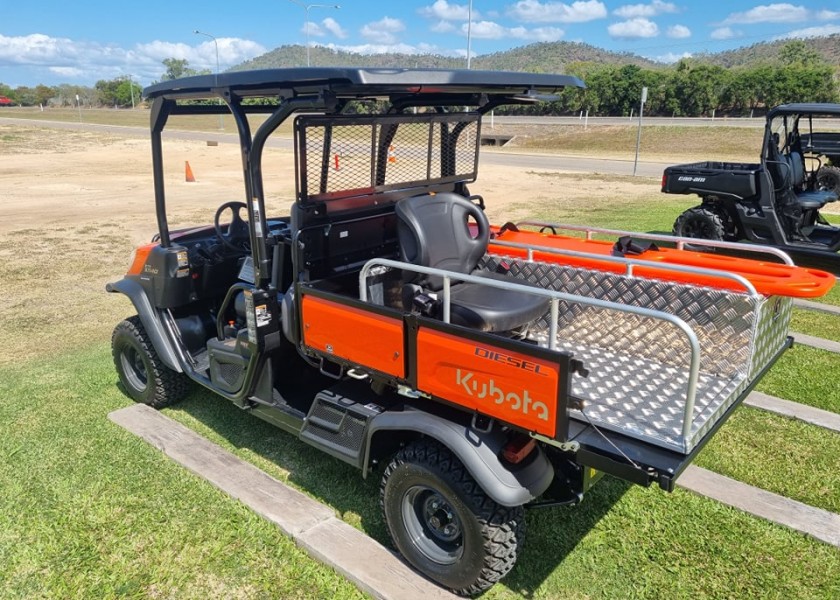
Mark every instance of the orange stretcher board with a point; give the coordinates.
(768, 278)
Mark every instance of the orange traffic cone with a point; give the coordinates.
(392, 158)
(190, 178)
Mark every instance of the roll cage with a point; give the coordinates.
(280, 93)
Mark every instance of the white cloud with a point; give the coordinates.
(490, 30)
(443, 27)
(334, 28)
(769, 13)
(445, 11)
(71, 72)
(725, 33)
(657, 7)
(827, 15)
(90, 61)
(811, 32)
(312, 29)
(633, 29)
(400, 48)
(534, 11)
(383, 31)
(678, 32)
(671, 57)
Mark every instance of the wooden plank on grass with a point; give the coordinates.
(817, 306)
(815, 522)
(312, 525)
(815, 342)
(794, 410)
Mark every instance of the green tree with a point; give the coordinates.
(179, 67)
(796, 53)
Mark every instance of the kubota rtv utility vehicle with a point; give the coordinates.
(383, 320)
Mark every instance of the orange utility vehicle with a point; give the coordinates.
(480, 370)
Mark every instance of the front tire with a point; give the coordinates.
(142, 373)
(444, 524)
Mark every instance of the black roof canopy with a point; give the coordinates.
(805, 108)
(362, 83)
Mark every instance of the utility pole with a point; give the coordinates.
(639, 134)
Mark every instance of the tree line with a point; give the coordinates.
(120, 92)
(694, 89)
(690, 88)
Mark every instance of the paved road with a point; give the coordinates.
(648, 121)
(548, 162)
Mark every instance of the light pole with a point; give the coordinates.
(469, 33)
(306, 8)
(131, 87)
(216, 43)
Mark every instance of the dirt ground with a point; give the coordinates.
(74, 204)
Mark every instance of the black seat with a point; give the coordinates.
(808, 200)
(434, 232)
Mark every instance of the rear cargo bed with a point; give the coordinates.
(731, 179)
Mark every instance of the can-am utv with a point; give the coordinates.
(777, 201)
(384, 321)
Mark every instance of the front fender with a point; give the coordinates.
(149, 317)
(508, 485)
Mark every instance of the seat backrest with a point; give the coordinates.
(434, 231)
(797, 169)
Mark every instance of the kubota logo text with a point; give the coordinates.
(488, 389)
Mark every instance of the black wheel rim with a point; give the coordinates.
(698, 228)
(432, 524)
(134, 368)
(827, 182)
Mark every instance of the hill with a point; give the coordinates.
(827, 47)
(539, 57)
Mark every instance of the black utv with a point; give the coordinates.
(778, 200)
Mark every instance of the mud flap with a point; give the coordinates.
(508, 485)
(148, 316)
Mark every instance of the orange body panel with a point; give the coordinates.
(140, 256)
(513, 387)
(770, 279)
(365, 338)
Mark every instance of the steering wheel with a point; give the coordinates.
(237, 236)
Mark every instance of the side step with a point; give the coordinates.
(337, 424)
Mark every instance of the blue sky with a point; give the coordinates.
(81, 42)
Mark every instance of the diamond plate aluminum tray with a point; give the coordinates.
(639, 366)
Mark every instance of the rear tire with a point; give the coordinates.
(828, 179)
(143, 375)
(700, 223)
(444, 524)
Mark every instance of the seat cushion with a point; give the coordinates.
(816, 199)
(493, 309)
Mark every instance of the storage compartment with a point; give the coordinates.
(640, 365)
(711, 177)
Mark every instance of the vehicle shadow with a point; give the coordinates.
(552, 533)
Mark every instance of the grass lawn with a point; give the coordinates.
(92, 511)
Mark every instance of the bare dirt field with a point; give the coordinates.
(74, 204)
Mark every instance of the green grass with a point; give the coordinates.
(657, 142)
(816, 323)
(89, 511)
(782, 455)
(805, 375)
(138, 117)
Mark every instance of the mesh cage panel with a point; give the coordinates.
(346, 155)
